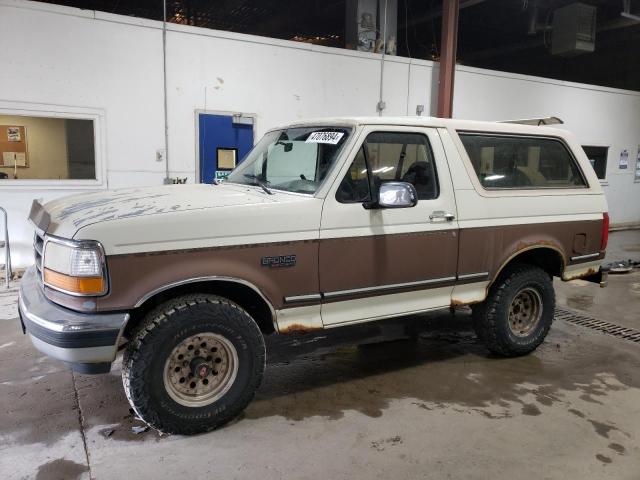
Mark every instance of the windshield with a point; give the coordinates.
(293, 159)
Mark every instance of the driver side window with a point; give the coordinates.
(390, 156)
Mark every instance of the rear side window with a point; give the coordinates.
(502, 161)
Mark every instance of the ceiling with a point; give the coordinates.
(497, 34)
(493, 34)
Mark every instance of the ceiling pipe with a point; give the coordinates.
(167, 180)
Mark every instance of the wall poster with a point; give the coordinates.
(13, 134)
(14, 159)
(624, 160)
(13, 146)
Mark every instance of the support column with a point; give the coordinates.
(448, 50)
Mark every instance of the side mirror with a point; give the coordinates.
(397, 195)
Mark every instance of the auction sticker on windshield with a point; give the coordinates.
(325, 137)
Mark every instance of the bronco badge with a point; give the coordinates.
(279, 261)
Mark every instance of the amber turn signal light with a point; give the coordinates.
(80, 285)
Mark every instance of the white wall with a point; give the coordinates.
(276, 80)
(70, 62)
(66, 61)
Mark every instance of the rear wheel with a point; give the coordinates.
(193, 364)
(518, 312)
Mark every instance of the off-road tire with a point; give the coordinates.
(490, 318)
(153, 341)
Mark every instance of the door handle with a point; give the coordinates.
(442, 214)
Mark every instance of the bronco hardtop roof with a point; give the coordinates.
(534, 126)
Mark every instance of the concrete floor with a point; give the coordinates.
(614, 302)
(337, 406)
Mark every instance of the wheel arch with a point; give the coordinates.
(549, 258)
(239, 291)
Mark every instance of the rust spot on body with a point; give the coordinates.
(299, 328)
(591, 271)
(460, 303)
(522, 245)
(576, 276)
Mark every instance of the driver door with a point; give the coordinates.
(376, 263)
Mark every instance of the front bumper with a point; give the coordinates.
(86, 342)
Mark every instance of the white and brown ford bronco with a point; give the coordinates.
(325, 223)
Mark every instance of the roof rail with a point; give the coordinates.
(536, 121)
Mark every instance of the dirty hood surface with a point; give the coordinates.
(76, 211)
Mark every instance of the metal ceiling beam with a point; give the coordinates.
(448, 57)
(437, 12)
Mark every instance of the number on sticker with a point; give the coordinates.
(325, 137)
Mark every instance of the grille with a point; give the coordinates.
(598, 325)
(38, 246)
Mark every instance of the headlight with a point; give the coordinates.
(75, 268)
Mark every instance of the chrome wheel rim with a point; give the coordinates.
(200, 369)
(525, 312)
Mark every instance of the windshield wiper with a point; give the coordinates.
(259, 182)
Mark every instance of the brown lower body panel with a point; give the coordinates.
(378, 261)
(401, 262)
(488, 249)
(134, 276)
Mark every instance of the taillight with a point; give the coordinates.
(605, 232)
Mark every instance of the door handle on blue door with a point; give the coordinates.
(441, 214)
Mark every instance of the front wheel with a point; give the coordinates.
(517, 314)
(193, 364)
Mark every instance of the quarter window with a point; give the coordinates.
(521, 162)
(390, 156)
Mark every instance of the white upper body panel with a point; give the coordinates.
(199, 216)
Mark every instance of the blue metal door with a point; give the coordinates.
(224, 141)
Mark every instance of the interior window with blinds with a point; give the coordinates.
(46, 148)
(502, 161)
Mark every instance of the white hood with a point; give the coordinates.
(184, 216)
(68, 214)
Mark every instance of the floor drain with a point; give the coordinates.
(598, 325)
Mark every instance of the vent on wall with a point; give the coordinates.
(574, 30)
